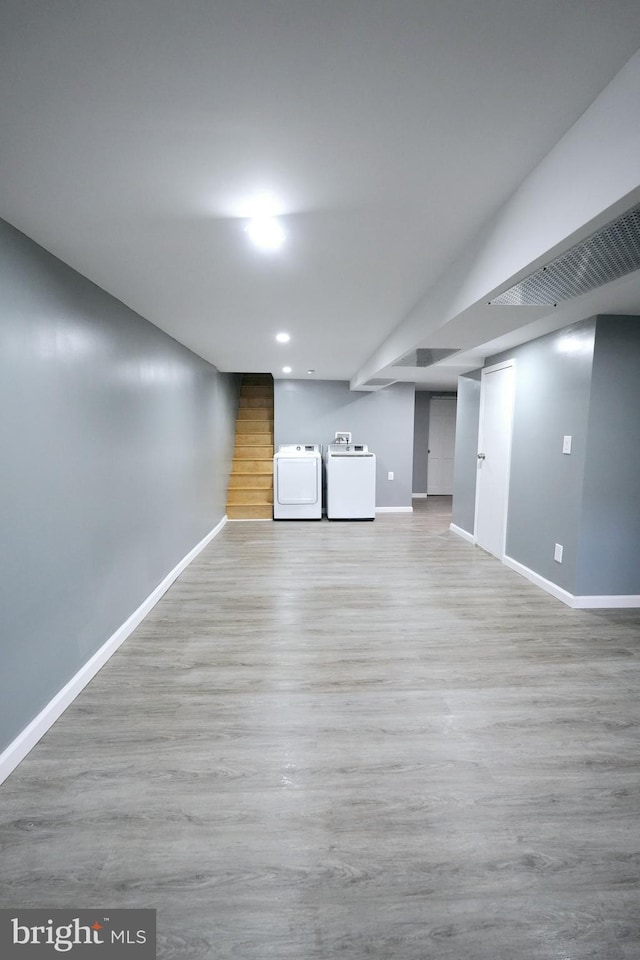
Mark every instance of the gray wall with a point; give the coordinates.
(553, 382)
(609, 549)
(581, 381)
(311, 411)
(421, 441)
(466, 449)
(116, 444)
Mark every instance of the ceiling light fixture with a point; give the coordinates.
(266, 233)
(310, 371)
(283, 337)
(286, 369)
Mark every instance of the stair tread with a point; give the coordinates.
(253, 455)
(241, 440)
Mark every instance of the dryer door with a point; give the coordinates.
(297, 480)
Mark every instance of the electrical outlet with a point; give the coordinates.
(557, 553)
(390, 475)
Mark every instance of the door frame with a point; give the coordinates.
(503, 365)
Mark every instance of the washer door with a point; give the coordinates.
(297, 480)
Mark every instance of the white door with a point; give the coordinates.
(494, 456)
(297, 480)
(442, 439)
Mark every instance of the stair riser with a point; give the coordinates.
(255, 413)
(247, 511)
(255, 390)
(264, 427)
(256, 403)
(247, 481)
(254, 440)
(253, 466)
(249, 497)
(253, 452)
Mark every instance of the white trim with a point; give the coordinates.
(558, 592)
(576, 602)
(418, 496)
(462, 533)
(34, 731)
(394, 509)
(503, 365)
(511, 362)
(610, 601)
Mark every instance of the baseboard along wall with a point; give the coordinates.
(575, 601)
(34, 731)
(469, 537)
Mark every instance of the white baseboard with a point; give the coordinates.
(418, 496)
(394, 509)
(27, 739)
(558, 592)
(576, 602)
(608, 601)
(462, 533)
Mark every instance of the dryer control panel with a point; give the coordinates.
(349, 450)
(306, 449)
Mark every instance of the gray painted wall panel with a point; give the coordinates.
(116, 445)
(609, 551)
(421, 441)
(466, 449)
(553, 378)
(312, 411)
(581, 381)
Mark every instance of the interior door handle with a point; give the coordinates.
(481, 456)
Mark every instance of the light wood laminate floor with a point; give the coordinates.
(358, 740)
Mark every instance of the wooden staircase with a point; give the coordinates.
(250, 494)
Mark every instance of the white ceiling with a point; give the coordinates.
(133, 132)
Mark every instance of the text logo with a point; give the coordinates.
(45, 933)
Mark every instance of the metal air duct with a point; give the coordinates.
(609, 253)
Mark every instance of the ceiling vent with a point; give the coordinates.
(606, 255)
(376, 383)
(423, 357)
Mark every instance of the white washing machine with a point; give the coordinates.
(297, 482)
(351, 482)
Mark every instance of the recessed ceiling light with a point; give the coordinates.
(286, 369)
(261, 204)
(310, 371)
(283, 337)
(266, 233)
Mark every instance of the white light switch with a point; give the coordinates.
(566, 444)
(390, 475)
(557, 553)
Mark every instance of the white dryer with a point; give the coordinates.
(351, 482)
(297, 482)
